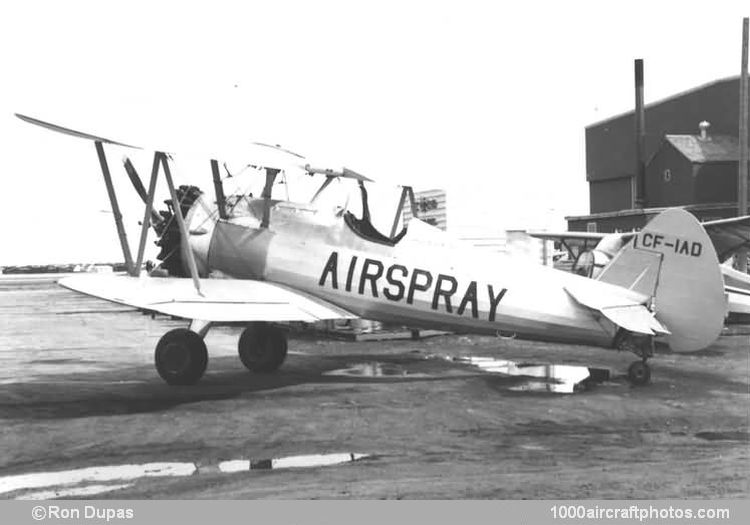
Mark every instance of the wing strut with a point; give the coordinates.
(221, 200)
(323, 186)
(147, 213)
(132, 270)
(399, 211)
(413, 202)
(267, 190)
(407, 191)
(186, 251)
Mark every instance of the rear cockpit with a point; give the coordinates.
(364, 227)
(337, 198)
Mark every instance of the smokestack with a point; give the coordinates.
(640, 138)
(703, 126)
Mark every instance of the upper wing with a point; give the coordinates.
(221, 300)
(71, 132)
(729, 235)
(567, 236)
(261, 154)
(569, 240)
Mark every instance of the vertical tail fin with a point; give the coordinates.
(673, 260)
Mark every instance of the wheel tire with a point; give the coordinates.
(262, 348)
(639, 373)
(181, 357)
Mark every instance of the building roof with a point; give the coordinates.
(670, 98)
(649, 212)
(714, 148)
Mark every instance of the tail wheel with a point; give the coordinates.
(262, 347)
(639, 373)
(181, 357)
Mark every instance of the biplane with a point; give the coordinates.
(259, 261)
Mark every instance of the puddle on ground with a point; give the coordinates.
(62, 361)
(305, 461)
(89, 481)
(107, 473)
(731, 435)
(74, 492)
(558, 379)
(374, 370)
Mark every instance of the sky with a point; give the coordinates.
(488, 100)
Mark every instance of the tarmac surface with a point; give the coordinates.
(83, 413)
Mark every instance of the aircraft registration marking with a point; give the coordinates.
(679, 246)
(402, 284)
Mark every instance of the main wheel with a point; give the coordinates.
(639, 373)
(181, 357)
(262, 347)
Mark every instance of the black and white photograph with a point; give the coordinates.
(330, 250)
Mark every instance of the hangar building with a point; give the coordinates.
(692, 155)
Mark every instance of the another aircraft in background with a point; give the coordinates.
(592, 251)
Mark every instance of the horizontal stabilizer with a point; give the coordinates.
(623, 307)
(589, 294)
(221, 300)
(636, 318)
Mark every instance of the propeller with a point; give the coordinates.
(135, 180)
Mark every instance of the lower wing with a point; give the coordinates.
(220, 300)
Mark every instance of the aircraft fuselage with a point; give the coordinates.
(425, 280)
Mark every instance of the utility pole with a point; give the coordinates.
(743, 117)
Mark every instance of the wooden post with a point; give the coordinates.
(221, 201)
(743, 118)
(115, 208)
(147, 213)
(640, 138)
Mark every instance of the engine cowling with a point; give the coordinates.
(199, 222)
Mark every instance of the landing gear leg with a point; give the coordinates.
(262, 347)
(639, 373)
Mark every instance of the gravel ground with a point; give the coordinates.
(78, 389)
